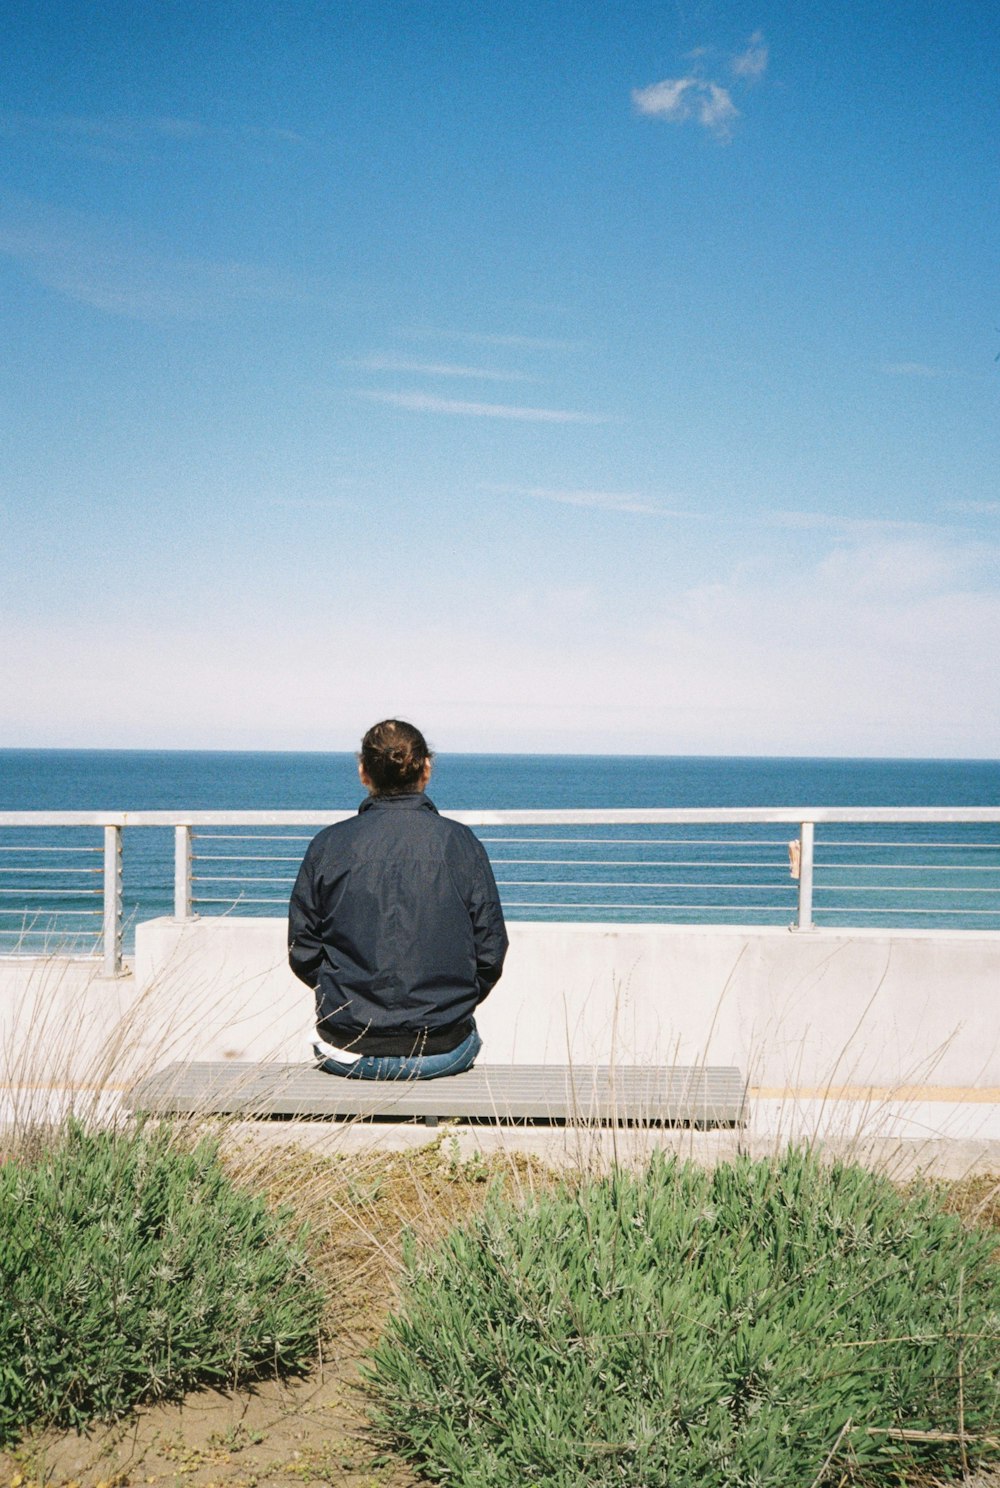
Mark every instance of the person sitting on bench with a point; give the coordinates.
(395, 923)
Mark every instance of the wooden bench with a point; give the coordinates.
(631, 1094)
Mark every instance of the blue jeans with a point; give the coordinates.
(405, 1066)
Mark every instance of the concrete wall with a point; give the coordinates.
(65, 1039)
(790, 1009)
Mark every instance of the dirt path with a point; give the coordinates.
(290, 1435)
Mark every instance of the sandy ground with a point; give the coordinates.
(297, 1435)
(280, 1436)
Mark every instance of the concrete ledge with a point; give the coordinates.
(790, 1009)
(889, 1035)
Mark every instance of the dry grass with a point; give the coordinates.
(358, 1207)
(976, 1199)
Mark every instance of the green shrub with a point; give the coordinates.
(679, 1327)
(132, 1269)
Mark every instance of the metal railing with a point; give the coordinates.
(61, 873)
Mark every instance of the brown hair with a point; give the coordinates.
(393, 755)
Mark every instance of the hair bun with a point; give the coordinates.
(394, 755)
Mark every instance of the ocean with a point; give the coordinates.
(147, 780)
(536, 883)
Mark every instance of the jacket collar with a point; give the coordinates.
(412, 801)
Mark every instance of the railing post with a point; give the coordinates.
(807, 830)
(182, 872)
(112, 918)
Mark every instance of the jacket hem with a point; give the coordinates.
(405, 1045)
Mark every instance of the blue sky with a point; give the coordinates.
(565, 377)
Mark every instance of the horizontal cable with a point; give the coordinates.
(36, 913)
(45, 934)
(641, 863)
(54, 847)
(249, 836)
(714, 908)
(821, 867)
(614, 883)
(60, 872)
(59, 893)
(245, 858)
(558, 862)
(520, 863)
(645, 841)
(828, 909)
(901, 889)
(913, 846)
(237, 878)
(239, 899)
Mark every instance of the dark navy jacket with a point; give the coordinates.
(395, 921)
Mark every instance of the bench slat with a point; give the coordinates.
(697, 1095)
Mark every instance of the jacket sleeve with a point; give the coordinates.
(305, 949)
(488, 928)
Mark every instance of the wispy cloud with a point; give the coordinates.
(973, 508)
(885, 568)
(424, 403)
(310, 503)
(435, 369)
(914, 369)
(109, 139)
(701, 98)
(611, 501)
(112, 130)
(480, 338)
(98, 263)
(751, 64)
(814, 521)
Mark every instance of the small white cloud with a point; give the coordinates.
(751, 64)
(680, 99)
(425, 403)
(666, 100)
(698, 97)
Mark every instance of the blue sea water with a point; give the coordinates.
(145, 780)
(663, 881)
